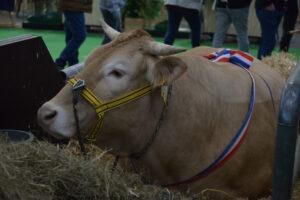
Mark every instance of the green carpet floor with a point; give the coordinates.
(55, 41)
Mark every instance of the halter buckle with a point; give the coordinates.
(77, 89)
(79, 85)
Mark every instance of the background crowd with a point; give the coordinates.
(269, 13)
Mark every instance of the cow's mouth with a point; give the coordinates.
(57, 129)
(60, 134)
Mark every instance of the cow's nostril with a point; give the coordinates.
(50, 115)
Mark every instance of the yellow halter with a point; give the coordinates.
(102, 107)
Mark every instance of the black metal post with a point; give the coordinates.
(286, 138)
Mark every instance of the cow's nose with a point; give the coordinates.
(46, 114)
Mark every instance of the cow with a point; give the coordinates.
(204, 106)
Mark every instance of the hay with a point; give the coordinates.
(282, 62)
(43, 171)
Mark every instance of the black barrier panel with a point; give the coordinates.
(28, 78)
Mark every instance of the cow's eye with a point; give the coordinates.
(116, 73)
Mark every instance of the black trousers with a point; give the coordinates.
(175, 15)
(289, 21)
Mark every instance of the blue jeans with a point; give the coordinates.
(239, 18)
(269, 22)
(75, 35)
(174, 19)
(112, 20)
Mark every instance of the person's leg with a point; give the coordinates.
(193, 18)
(174, 18)
(109, 19)
(279, 16)
(118, 21)
(74, 22)
(118, 17)
(288, 24)
(61, 62)
(68, 33)
(259, 17)
(38, 7)
(222, 24)
(18, 7)
(239, 19)
(50, 6)
(269, 22)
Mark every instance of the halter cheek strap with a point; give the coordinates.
(102, 107)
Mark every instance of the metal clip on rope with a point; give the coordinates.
(76, 90)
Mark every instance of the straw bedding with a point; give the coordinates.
(282, 62)
(41, 170)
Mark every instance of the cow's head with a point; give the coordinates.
(131, 60)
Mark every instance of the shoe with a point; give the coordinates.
(60, 64)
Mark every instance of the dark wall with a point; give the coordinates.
(28, 78)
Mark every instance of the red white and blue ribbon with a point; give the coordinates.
(227, 55)
(233, 56)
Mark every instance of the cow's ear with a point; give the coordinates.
(167, 70)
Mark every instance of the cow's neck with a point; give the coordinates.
(183, 148)
(149, 125)
(172, 148)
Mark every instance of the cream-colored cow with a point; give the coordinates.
(205, 109)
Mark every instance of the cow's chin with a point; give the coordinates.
(60, 132)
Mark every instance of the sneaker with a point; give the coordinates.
(60, 64)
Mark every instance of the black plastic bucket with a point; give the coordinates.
(16, 135)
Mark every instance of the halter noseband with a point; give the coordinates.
(102, 107)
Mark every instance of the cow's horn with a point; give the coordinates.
(110, 32)
(160, 49)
